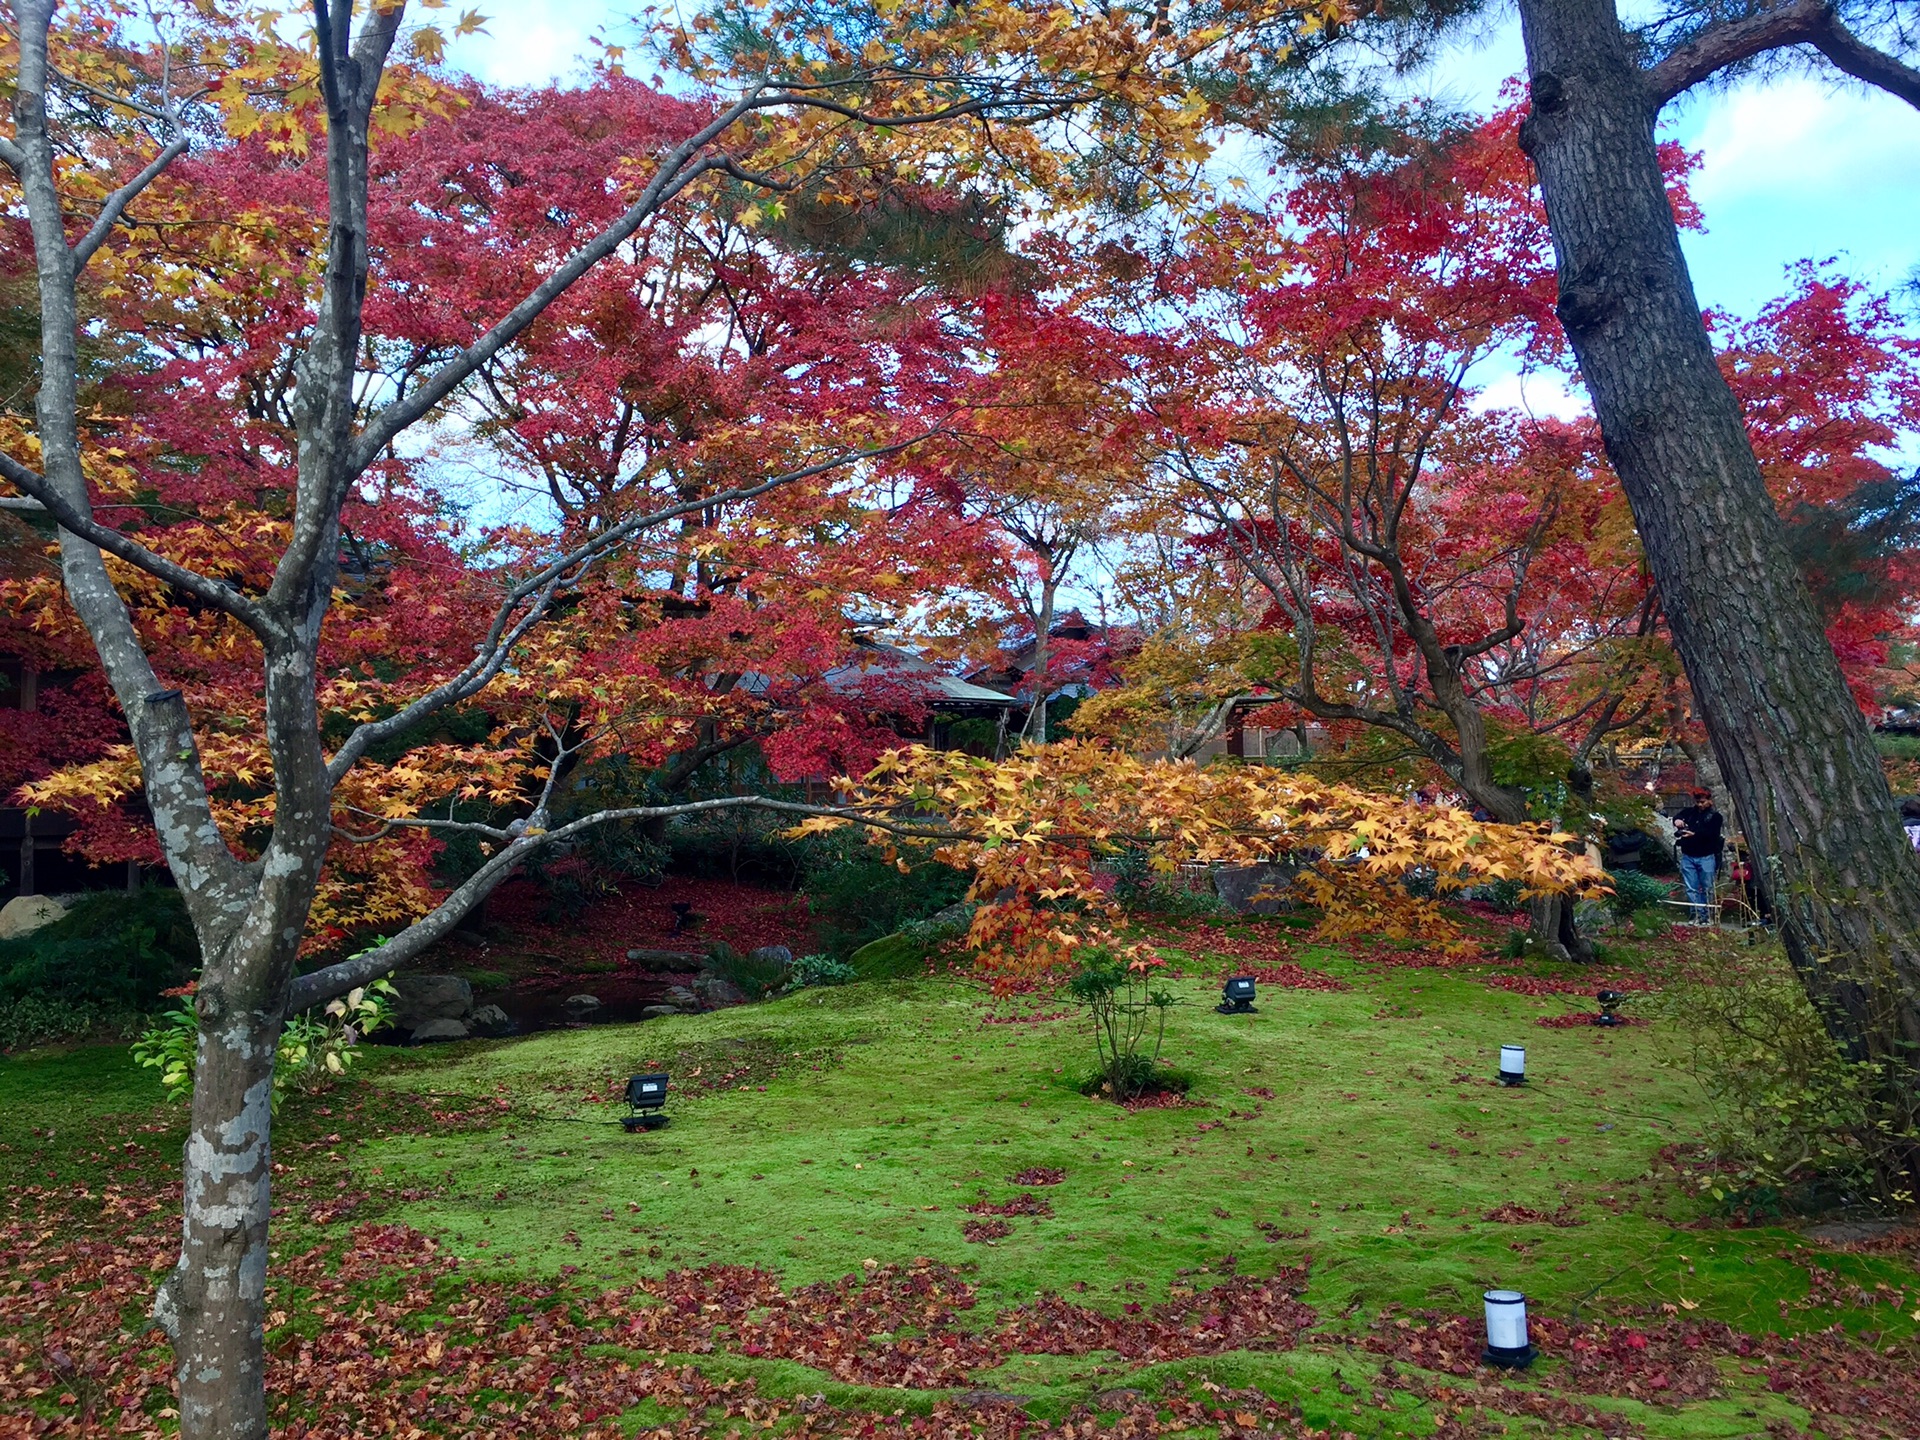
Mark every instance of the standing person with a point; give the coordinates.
(1910, 820)
(1698, 833)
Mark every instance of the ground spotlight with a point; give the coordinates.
(646, 1094)
(1236, 996)
(1513, 1064)
(1507, 1344)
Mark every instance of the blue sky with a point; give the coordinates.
(1796, 169)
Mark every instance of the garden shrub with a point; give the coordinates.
(857, 897)
(1146, 891)
(1633, 892)
(756, 974)
(40, 1019)
(312, 1047)
(113, 950)
(1791, 1121)
(1129, 1024)
(810, 970)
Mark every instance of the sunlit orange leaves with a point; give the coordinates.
(1036, 830)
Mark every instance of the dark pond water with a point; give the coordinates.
(543, 1005)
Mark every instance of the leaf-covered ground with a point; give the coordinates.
(887, 1209)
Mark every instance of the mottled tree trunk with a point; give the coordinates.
(1797, 756)
(212, 1305)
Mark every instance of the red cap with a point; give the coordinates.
(1700, 794)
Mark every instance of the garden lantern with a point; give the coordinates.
(1513, 1064)
(1236, 997)
(1507, 1344)
(1608, 1000)
(646, 1095)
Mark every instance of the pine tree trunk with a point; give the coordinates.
(1796, 753)
(212, 1305)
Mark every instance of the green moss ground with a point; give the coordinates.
(832, 1127)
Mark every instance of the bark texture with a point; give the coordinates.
(1794, 749)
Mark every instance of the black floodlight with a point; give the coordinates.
(1236, 996)
(646, 1094)
(1609, 1000)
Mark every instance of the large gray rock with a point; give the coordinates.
(772, 955)
(680, 997)
(658, 1012)
(490, 1020)
(583, 1007)
(1255, 889)
(439, 1030)
(715, 992)
(25, 914)
(423, 998)
(664, 960)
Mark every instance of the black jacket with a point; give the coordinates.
(1705, 825)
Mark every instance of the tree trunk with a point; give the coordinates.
(1792, 745)
(1036, 729)
(212, 1305)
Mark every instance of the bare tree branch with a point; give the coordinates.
(1778, 27)
(117, 202)
(124, 547)
(324, 984)
(544, 583)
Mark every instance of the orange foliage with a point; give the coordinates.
(1033, 830)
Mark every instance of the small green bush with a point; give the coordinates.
(312, 1047)
(810, 970)
(758, 976)
(41, 1019)
(857, 896)
(1634, 892)
(1792, 1123)
(112, 950)
(1129, 1024)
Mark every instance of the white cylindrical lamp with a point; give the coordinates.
(1513, 1064)
(1507, 1344)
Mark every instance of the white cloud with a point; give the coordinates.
(1542, 394)
(1795, 169)
(533, 42)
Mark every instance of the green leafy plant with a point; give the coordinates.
(1792, 1124)
(40, 1019)
(312, 1047)
(754, 973)
(1127, 1012)
(810, 970)
(117, 951)
(856, 897)
(1634, 892)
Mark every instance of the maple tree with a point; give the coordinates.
(790, 102)
(1034, 829)
(1458, 578)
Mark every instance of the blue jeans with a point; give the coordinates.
(1697, 871)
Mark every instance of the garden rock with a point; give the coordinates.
(423, 998)
(583, 1007)
(680, 998)
(658, 1012)
(439, 1030)
(772, 955)
(25, 914)
(490, 1020)
(1252, 889)
(664, 960)
(716, 992)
